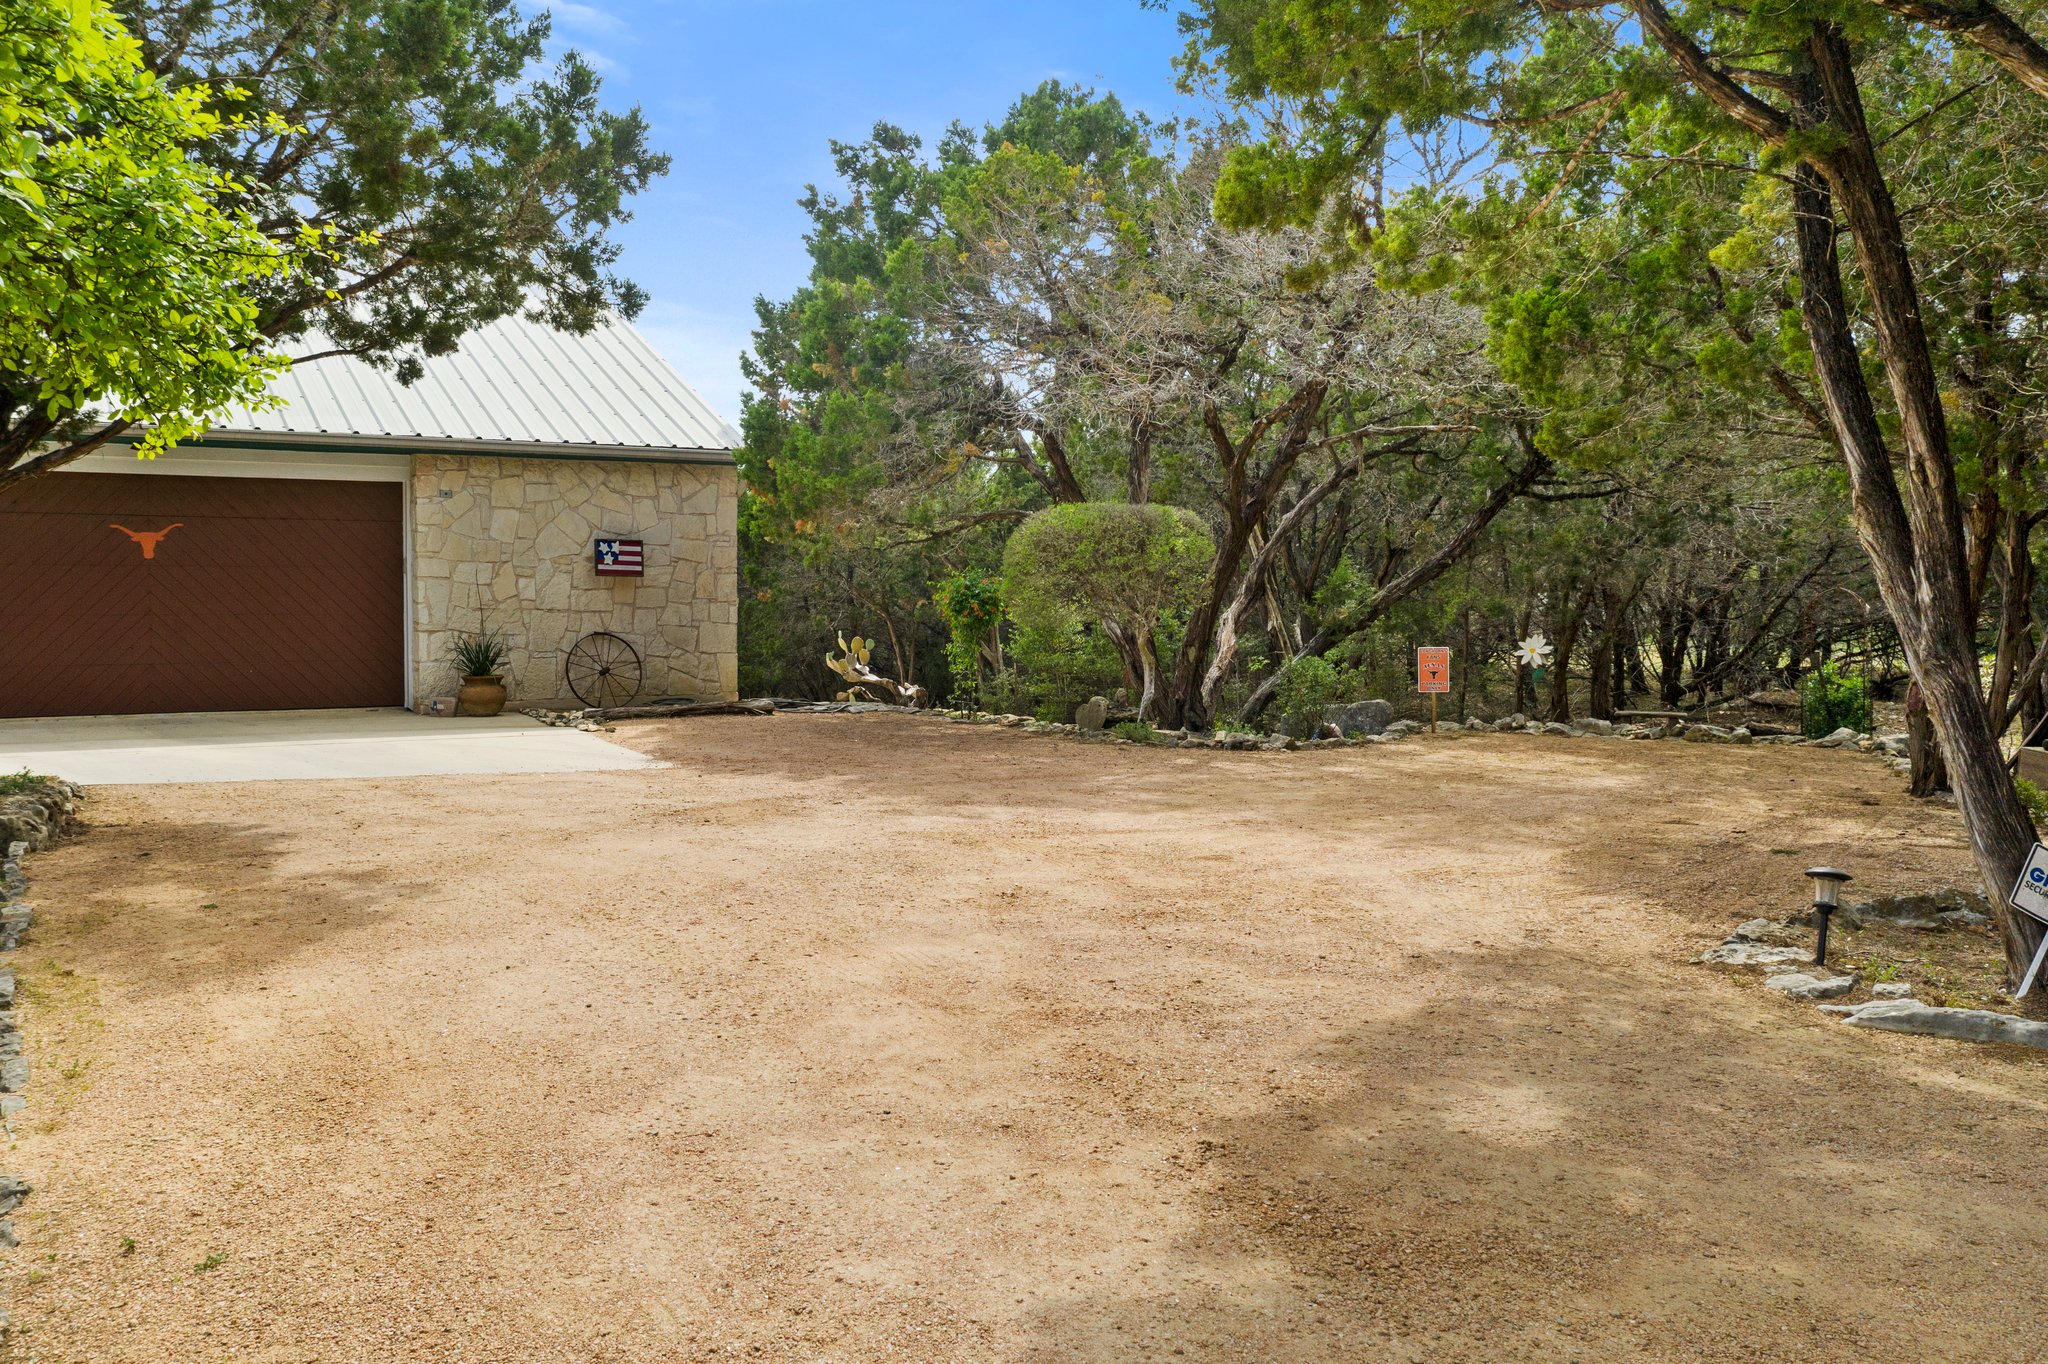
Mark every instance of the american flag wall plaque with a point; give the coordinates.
(620, 558)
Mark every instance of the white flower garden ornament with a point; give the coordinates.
(1534, 651)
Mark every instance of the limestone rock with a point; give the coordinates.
(1737, 953)
(1360, 717)
(1800, 985)
(1892, 989)
(1603, 728)
(1515, 721)
(1967, 1025)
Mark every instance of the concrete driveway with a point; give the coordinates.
(150, 750)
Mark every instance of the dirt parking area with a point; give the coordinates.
(853, 1038)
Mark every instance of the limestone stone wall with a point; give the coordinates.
(508, 542)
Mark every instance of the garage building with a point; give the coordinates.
(327, 553)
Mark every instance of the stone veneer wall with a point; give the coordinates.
(508, 542)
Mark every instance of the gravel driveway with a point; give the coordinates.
(850, 1038)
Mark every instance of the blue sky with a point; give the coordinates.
(745, 94)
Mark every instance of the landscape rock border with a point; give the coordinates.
(1789, 970)
(31, 819)
(1095, 727)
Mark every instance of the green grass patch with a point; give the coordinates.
(22, 782)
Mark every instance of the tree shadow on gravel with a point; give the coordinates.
(168, 906)
(1550, 1164)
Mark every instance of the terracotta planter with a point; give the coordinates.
(480, 696)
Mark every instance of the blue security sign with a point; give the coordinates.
(2030, 897)
(2030, 892)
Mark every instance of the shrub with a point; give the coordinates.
(1137, 731)
(2034, 798)
(972, 603)
(1308, 688)
(1071, 566)
(1830, 701)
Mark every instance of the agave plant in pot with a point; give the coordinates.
(480, 657)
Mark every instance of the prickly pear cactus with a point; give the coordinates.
(851, 663)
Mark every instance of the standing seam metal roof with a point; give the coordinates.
(513, 381)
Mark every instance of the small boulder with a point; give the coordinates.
(1090, 714)
(1360, 717)
(1603, 728)
(1892, 989)
(1553, 727)
(1515, 721)
(1736, 952)
(1801, 985)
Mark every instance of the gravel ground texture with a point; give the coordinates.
(872, 1038)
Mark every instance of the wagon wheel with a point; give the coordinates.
(603, 670)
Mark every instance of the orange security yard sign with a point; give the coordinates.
(1432, 676)
(1432, 671)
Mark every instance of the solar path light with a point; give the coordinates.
(1827, 896)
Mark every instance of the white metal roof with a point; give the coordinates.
(513, 383)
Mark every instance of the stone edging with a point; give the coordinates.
(1788, 970)
(30, 821)
(1891, 747)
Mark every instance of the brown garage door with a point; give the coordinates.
(137, 593)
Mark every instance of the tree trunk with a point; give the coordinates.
(1148, 658)
(1606, 668)
(1452, 551)
(1916, 553)
(1464, 660)
(1930, 774)
(1560, 710)
(2015, 617)
(1674, 641)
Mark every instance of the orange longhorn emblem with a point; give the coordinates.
(148, 539)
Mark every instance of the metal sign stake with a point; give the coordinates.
(2034, 970)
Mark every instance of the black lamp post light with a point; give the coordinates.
(1827, 897)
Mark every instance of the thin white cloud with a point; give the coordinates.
(704, 348)
(585, 18)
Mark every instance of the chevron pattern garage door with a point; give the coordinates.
(127, 594)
